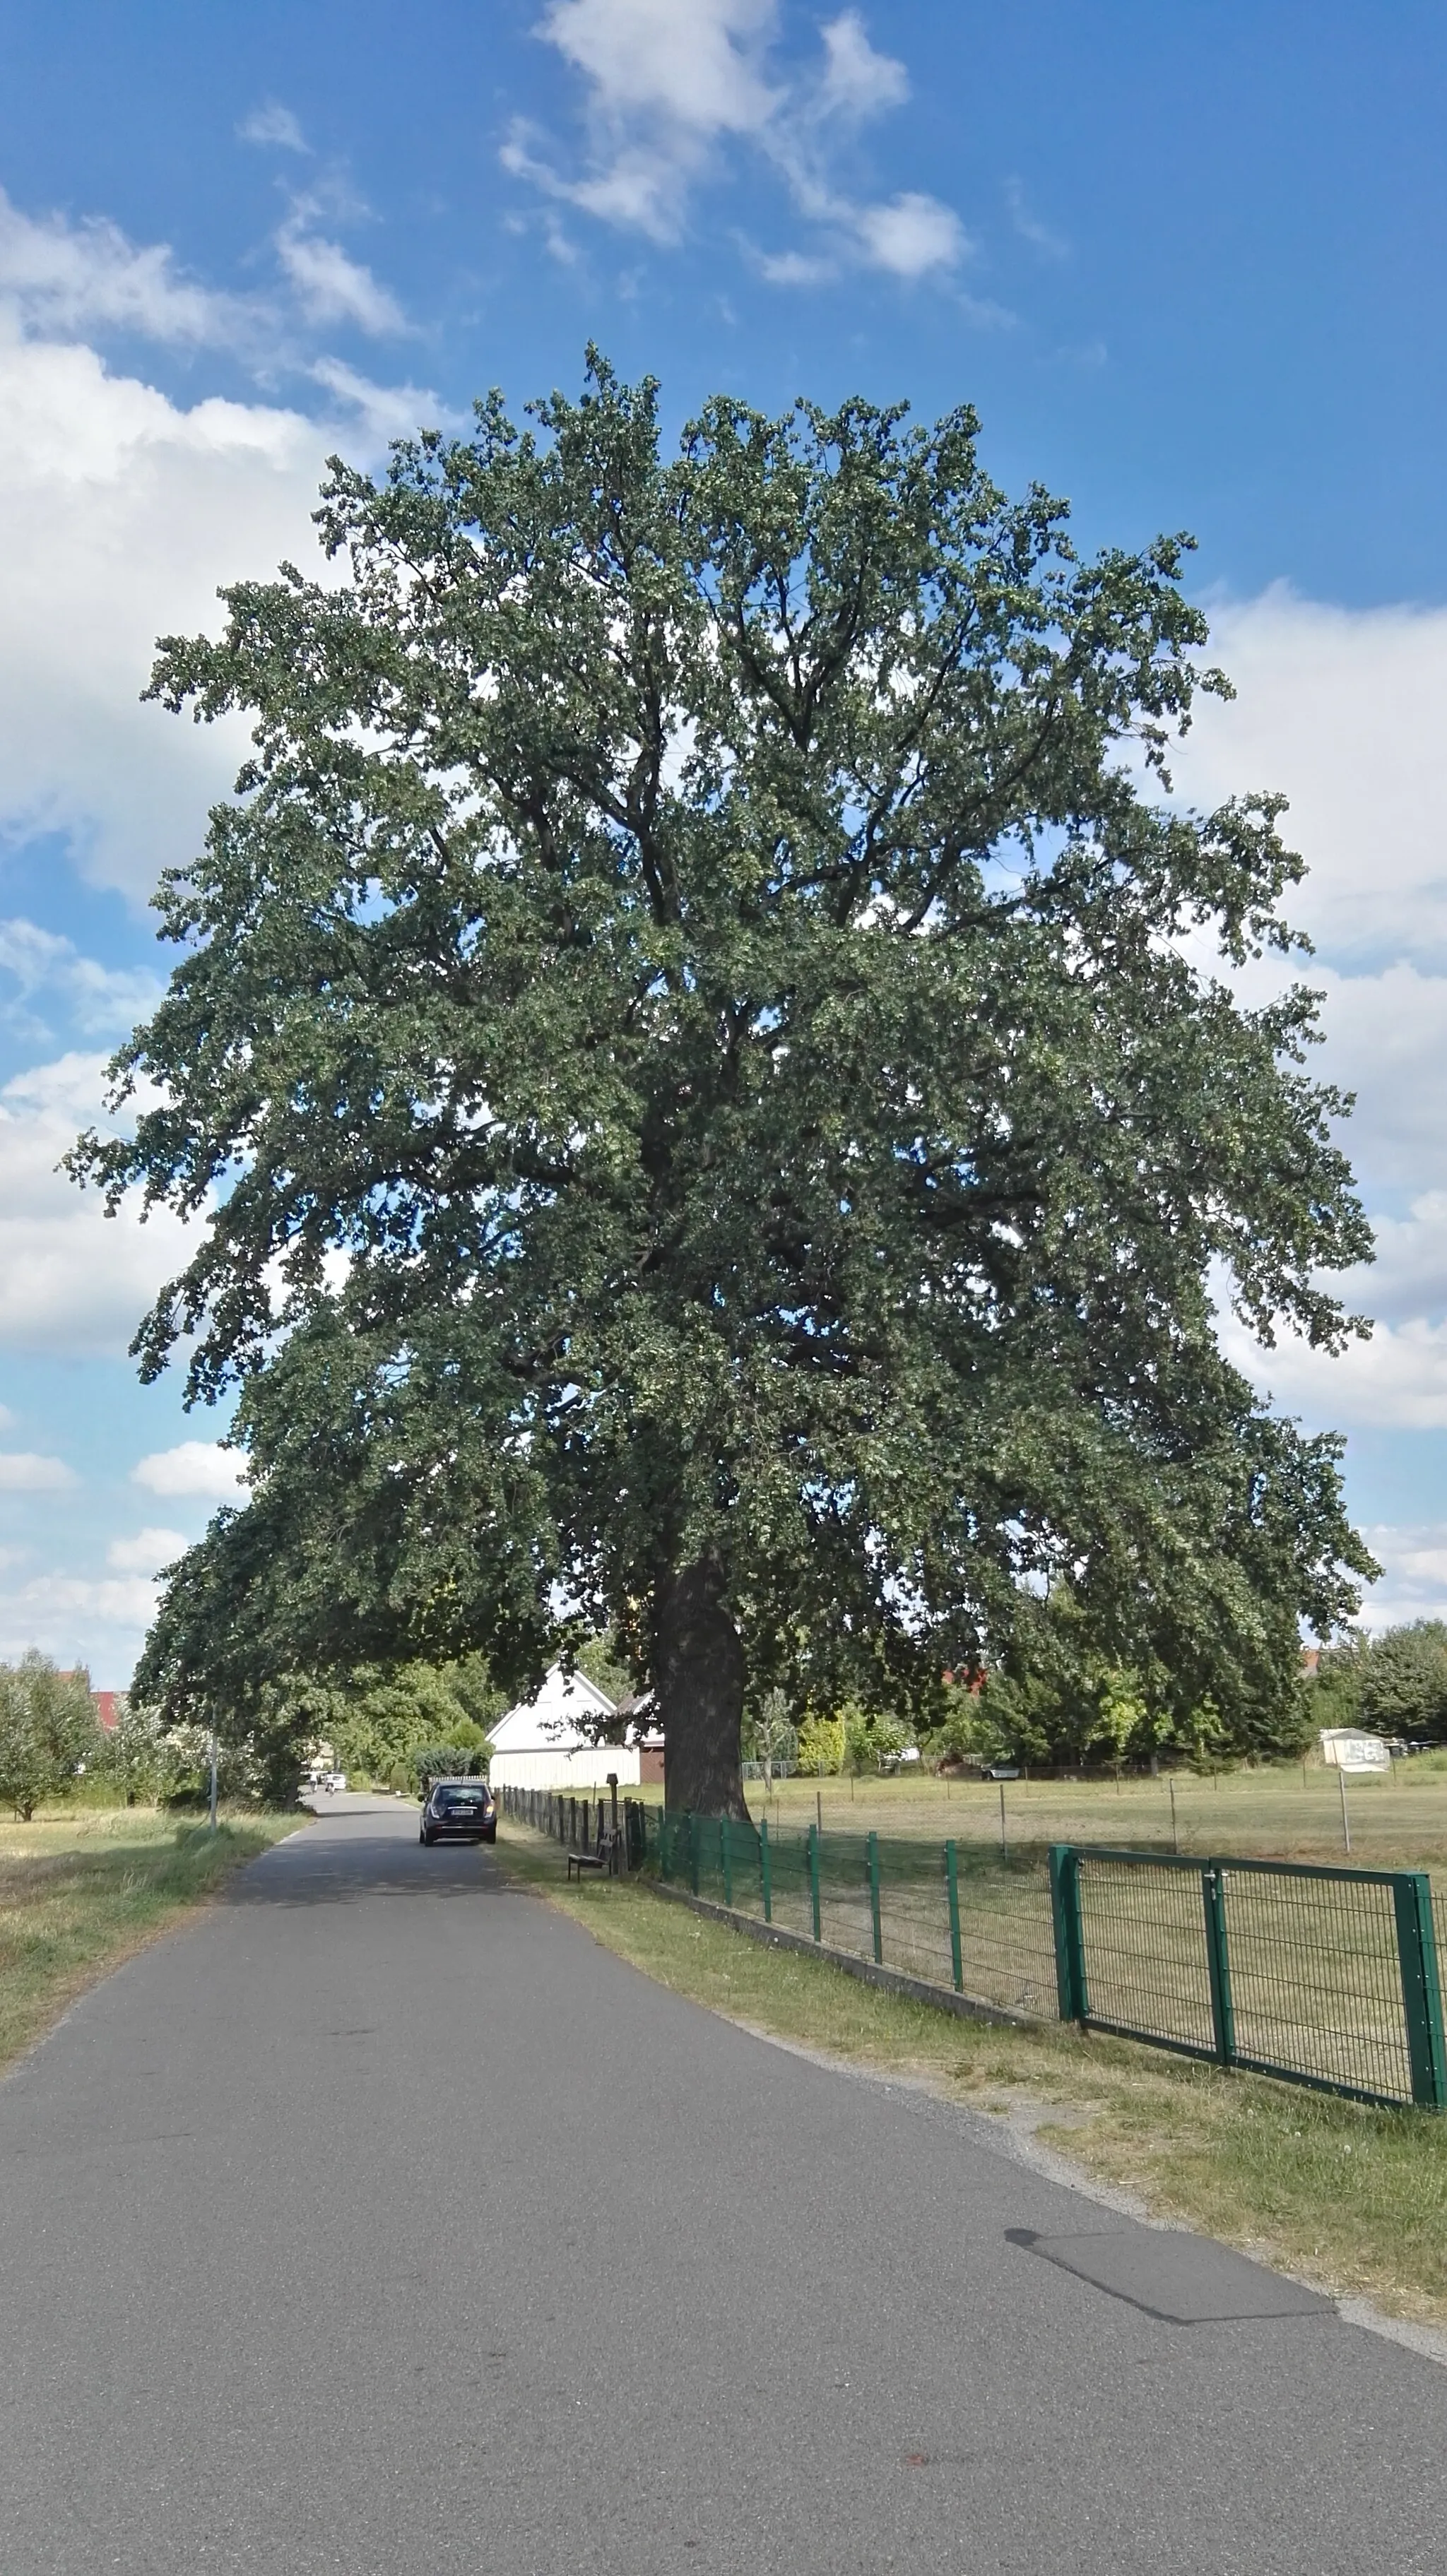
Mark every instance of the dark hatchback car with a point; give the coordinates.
(459, 1811)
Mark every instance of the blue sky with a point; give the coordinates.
(1185, 262)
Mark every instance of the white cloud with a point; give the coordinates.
(858, 82)
(61, 277)
(1397, 1381)
(200, 1467)
(698, 72)
(667, 89)
(274, 128)
(101, 1620)
(385, 411)
(911, 236)
(1413, 1559)
(102, 1001)
(146, 1553)
(1029, 227)
(120, 513)
(331, 286)
(1340, 709)
(22, 1472)
(71, 1278)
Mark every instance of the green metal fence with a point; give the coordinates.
(1320, 1975)
(951, 1915)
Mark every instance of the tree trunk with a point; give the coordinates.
(698, 1678)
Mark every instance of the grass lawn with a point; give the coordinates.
(1285, 1813)
(1352, 2199)
(79, 1892)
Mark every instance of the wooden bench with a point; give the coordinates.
(604, 1859)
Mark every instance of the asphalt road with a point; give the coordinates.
(380, 2222)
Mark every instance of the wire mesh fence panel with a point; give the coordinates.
(1007, 1939)
(914, 1910)
(846, 1920)
(1316, 1979)
(1147, 1964)
(744, 1867)
(791, 1903)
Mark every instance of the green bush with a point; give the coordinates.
(821, 1746)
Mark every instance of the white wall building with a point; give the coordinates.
(541, 1744)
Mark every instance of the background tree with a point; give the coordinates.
(1403, 1681)
(133, 1754)
(1332, 1695)
(701, 938)
(379, 1719)
(48, 1731)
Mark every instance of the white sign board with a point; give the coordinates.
(1346, 1750)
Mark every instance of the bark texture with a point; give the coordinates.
(698, 1677)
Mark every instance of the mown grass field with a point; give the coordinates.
(1350, 2198)
(79, 1892)
(1285, 1813)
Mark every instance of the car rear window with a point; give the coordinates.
(462, 1798)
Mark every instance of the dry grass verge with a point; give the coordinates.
(1352, 2199)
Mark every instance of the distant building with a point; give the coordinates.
(108, 1706)
(543, 1743)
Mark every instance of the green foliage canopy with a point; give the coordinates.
(702, 940)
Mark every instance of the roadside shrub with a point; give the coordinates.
(821, 1746)
(465, 1756)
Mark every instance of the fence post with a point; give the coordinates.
(725, 1838)
(766, 1871)
(1218, 1960)
(814, 1878)
(873, 1849)
(1421, 1988)
(1070, 1985)
(690, 1826)
(952, 1886)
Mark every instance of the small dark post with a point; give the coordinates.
(1218, 1961)
(814, 1879)
(952, 1885)
(766, 1871)
(1070, 1982)
(1421, 1990)
(876, 1925)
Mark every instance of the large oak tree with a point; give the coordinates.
(696, 1045)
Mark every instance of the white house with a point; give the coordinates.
(542, 1745)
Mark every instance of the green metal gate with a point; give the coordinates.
(1321, 1976)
